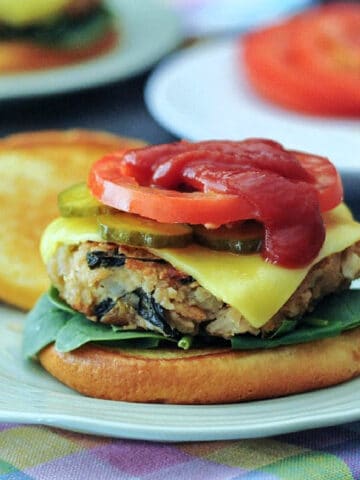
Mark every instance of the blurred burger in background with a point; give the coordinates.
(40, 34)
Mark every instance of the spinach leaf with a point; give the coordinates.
(53, 321)
(42, 326)
(64, 32)
(331, 317)
(78, 331)
(288, 325)
(57, 301)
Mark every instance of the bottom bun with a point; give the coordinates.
(24, 56)
(205, 376)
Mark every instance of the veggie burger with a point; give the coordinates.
(205, 272)
(37, 34)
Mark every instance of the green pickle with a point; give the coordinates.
(244, 237)
(129, 229)
(141, 232)
(77, 201)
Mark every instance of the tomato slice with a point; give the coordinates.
(310, 63)
(220, 182)
(122, 180)
(328, 46)
(327, 180)
(112, 188)
(330, 40)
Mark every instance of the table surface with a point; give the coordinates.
(116, 107)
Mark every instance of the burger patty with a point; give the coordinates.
(130, 287)
(76, 8)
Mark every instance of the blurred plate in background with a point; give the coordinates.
(201, 93)
(148, 31)
(208, 17)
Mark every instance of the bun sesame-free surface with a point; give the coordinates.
(21, 56)
(34, 168)
(207, 376)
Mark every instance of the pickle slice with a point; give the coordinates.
(137, 231)
(244, 237)
(77, 201)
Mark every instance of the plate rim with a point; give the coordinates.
(43, 400)
(169, 433)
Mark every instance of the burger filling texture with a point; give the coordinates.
(111, 283)
(57, 24)
(139, 281)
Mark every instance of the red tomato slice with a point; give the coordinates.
(330, 39)
(274, 73)
(310, 63)
(112, 187)
(254, 179)
(328, 46)
(326, 179)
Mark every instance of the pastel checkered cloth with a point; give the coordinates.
(36, 452)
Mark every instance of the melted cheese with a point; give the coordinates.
(19, 13)
(254, 287)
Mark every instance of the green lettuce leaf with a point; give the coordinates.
(42, 326)
(78, 330)
(331, 317)
(58, 302)
(64, 32)
(52, 320)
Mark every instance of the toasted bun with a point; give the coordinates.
(205, 376)
(24, 56)
(34, 167)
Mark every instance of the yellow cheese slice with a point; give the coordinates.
(68, 231)
(19, 13)
(254, 287)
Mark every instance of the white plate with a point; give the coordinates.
(210, 17)
(148, 30)
(201, 93)
(30, 395)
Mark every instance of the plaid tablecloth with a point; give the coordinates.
(37, 452)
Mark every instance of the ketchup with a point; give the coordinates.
(262, 172)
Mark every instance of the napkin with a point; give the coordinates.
(43, 453)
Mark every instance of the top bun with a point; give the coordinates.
(34, 167)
